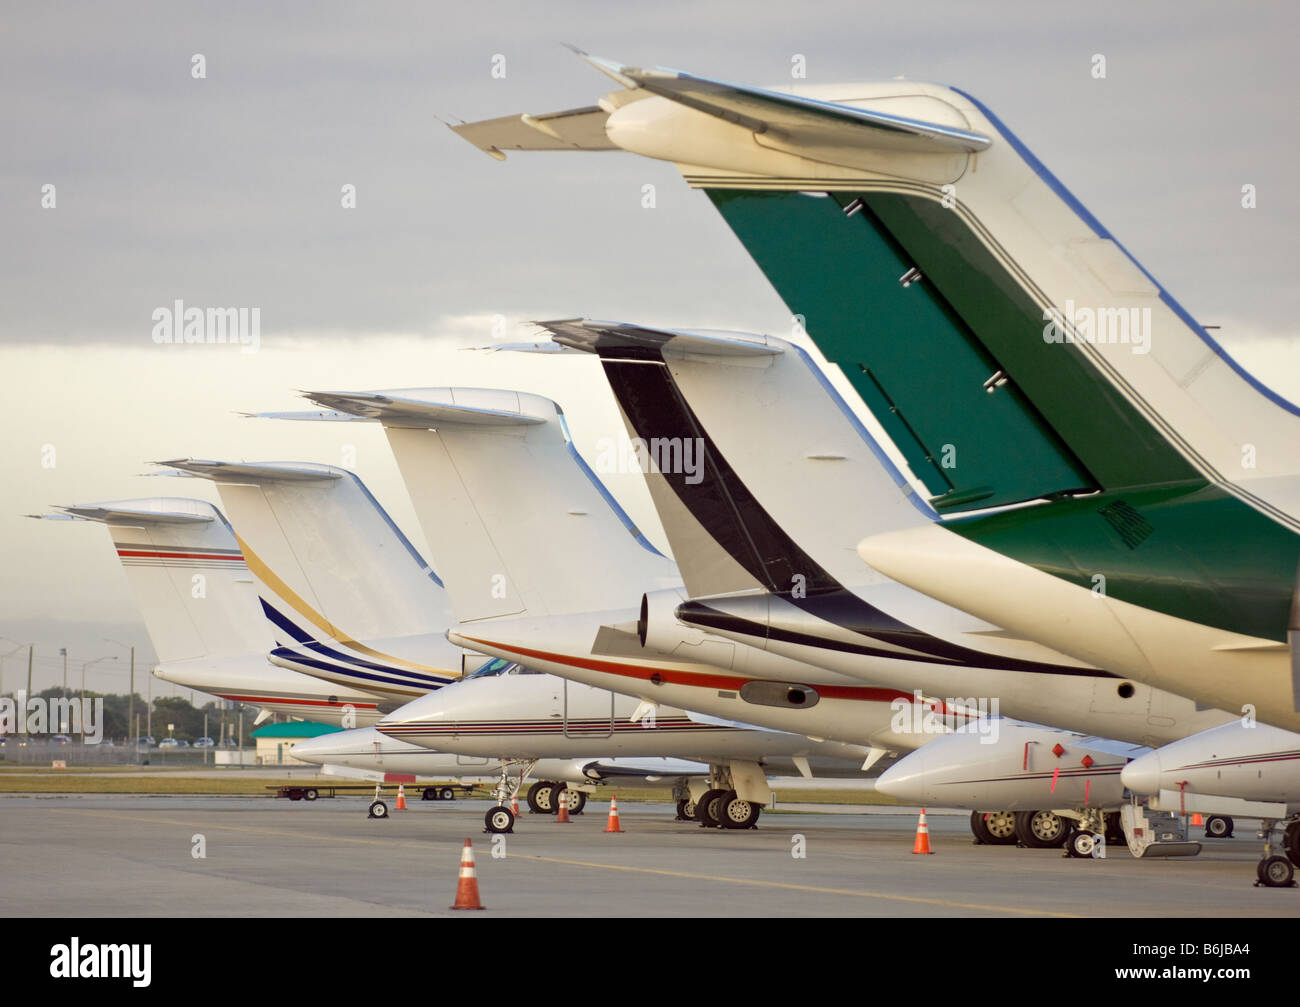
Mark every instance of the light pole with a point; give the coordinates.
(63, 652)
(130, 716)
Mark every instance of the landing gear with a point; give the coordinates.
(499, 819)
(540, 798)
(737, 814)
(707, 809)
(1081, 844)
(378, 809)
(993, 828)
(686, 810)
(1274, 871)
(1041, 830)
(1218, 827)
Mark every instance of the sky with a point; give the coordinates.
(227, 190)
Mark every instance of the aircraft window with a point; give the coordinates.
(490, 668)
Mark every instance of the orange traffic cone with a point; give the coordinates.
(922, 844)
(401, 798)
(467, 885)
(561, 800)
(613, 825)
(1197, 819)
(514, 805)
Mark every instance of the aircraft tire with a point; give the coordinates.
(539, 798)
(1041, 830)
(498, 820)
(705, 809)
(737, 814)
(1080, 844)
(1275, 872)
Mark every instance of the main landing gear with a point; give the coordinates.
(993, 828)
(541, 798)
(722, 808)
(1275, 871)
(1042, 830)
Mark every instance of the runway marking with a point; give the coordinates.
(721, 879)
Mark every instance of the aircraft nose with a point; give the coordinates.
(1142, 775)
(909, 779)
(320, 749)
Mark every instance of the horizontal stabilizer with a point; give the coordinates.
(600, 337)
(574, 129)
(433, 407)
(795, 118)
(121, 512)
(257, 472)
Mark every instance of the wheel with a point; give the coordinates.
(310, 794)
(706, 809)
(499, 819)
(1218, 827)
(979, 829)
(1001, 826)
(1291, 842)
(295, 794)
(539, 798)
(681, 810)
(575, 799)
(447, 794)
(1041, 830)
(686, 810)
(737, 814)
(430, 794)
(1081, 843)
(378, 809)
(1275, 872)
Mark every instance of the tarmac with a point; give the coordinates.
(102, 856)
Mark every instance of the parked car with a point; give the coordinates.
(205, 743)
(169, 743)
(61, 739)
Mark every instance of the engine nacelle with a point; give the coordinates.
(660, 632)
(665, 636)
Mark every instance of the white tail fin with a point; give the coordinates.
(789, 475)
(185, 569)
(517, 522)
(330, 561)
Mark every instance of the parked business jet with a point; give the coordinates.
(196, 596)
(1143, 486)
